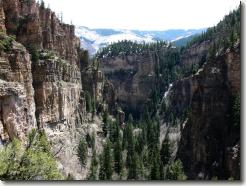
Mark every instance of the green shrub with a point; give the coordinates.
(33, 162)
(175, 171)
(6, 42)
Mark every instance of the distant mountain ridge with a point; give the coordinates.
(94, 39)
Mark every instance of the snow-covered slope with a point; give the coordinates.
(94, 39)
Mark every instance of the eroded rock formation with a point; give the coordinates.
(38, 27)
(17, 107)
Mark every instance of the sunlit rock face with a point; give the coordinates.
(40, 28)
(17, 107)
(45, 93)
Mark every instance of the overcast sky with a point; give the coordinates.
(143, 14)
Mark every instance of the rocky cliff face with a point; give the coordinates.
(59, 104)
(44, 92)
(133, 78)
(209, 142)
(38, 27)
(17, 107)
(196, 53)
(47, 92)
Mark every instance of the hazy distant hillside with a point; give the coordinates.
(183, 41)
(94, 39)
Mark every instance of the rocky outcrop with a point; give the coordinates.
(209, 144)
(38, 27)
(17, 107)
(109, 96)
(196, 53)
(133, 78)
(58, 92)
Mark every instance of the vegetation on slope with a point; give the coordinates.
(132, 152)
(136, 151)
(31, 162)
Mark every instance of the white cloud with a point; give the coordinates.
(143, 14)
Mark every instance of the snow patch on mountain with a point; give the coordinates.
(94, 39)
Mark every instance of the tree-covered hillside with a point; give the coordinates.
(136, 151)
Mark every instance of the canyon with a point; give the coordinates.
(45, 82)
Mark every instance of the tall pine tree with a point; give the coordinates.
(165, 151)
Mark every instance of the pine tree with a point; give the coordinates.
(124, 141)
(155, 168)
(175, 171)
(102, 171)
(165, 151)
(105, 127)
(134, 167)
(113, 131)
(84, 59)
(42, 5)
(118, 156)
(162, 172)
(106, 162)
(88, 102)
(139, 144)
(130, 144)
(94, 166)
(82, 151)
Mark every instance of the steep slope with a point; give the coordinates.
(44, 90)
(201, 108)
(56, 81)
(138, 71)
(16, 91)
(207, 96)
(58, 92)
(197, 112)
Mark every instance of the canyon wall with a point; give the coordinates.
(44, 90)
(38, 27)
(17, 107)
(133, 78)
(208, 142)
(196, 53)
